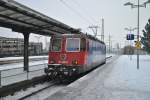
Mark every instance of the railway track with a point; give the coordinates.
(35, 92)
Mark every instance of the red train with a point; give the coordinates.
(72, 54)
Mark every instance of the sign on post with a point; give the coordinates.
(130, 37)
(138, 44)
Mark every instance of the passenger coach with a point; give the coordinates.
(71, 55)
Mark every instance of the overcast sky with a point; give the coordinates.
(84, 13)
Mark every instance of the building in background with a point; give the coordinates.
(46, 49)
(15, 47)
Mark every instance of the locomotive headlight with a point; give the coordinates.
(61, 69)
(74, 62)
(52, 61)
(66, 72)
(73, 69)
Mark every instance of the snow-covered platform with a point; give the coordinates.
(118, 79)
(21, 58)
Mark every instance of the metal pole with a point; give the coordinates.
(138, 36)
(109, 43)
(0, 79)
(102, 33)
(130, 44)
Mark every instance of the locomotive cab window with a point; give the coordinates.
(73, 44)
(56, 44)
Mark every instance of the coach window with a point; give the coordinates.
(56, 44)
(73, 44)
(83, 44)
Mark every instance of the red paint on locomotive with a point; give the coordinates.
(67, 57)
(55, 57)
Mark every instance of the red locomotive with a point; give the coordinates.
(72, 54)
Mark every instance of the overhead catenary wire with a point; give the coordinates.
(93, 27)
(90, 17)
(85, 11)
(76, 12)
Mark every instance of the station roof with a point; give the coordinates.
(22, 19)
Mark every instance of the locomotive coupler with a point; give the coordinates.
(59, 70)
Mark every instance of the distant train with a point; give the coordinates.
(73, 54)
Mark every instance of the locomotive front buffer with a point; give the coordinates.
(60, 71)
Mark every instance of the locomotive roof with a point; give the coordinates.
(80, 35)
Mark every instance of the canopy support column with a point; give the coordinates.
(26, 51)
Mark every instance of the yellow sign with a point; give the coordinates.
(138, 45)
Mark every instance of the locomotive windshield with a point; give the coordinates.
(56, 44)
(73, 44)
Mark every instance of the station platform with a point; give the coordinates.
(118, 79)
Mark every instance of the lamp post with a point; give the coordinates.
(137, 6)
(130, 29)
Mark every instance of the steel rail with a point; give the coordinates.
(35, 92)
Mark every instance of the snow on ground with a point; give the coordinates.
(40, 96)
(125, 73)
(19, 58)
(45, 94)
(118, 79)
(110, 54)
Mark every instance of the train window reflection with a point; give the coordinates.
(73, 44)
(56, 44)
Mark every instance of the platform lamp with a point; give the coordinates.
(137, 6)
